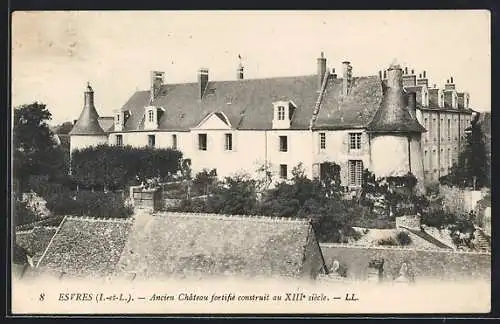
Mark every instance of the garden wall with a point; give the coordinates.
(425, 264)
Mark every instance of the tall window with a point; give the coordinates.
(449, 129)
(174, 141)
(281, 113)
(354, 141)
(118, 118)
(426, 124)
(450, 160)
(283, 144)
(151, 141)
(283, 171)
(150, 116)
(202, 142)
(434, 131)
(322, 141)
(119, 140)
(228, 146)
(355, 172)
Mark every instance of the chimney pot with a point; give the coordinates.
(412, 71)
(202, 82)
(321, 70)
(424, 74)
(406, 70)
(385, 74)
(451, 79)
(420, 76)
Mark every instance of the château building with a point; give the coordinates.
(391, 123)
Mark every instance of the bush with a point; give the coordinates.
(390, 241)
(403, 238)
(22, 214)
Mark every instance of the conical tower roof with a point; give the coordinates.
(87, 123)
(393, 116)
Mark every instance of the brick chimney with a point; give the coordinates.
(157, 80)
(450, 85)
(409, 80)
(202, 82)
(321, 64)
(422, 80)
(347, 77)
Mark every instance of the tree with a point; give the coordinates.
(472, 167)
(235, 196)
(35, 152)
(64, 128)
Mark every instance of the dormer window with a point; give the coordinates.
(151, 116)
(283, 114)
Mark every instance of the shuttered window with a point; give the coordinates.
(322, 141)
(283, 144)
(202, 142)
(151, 141)
(228, 142)
(283, 171)
(355, 172)
(354, 141)
(119, 140)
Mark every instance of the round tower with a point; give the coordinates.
(395, 133)
(87, 132)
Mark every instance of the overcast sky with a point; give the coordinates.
(54, 54)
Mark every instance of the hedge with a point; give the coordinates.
(115, 167)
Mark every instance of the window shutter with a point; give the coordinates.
(345, 143)
(365, 146)
(235, 142)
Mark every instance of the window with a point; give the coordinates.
(283, 171)
(281, 113)
(174, 141)
(119, 140)
(283, 144)
(450, 160)
(202, 142)
(426, 125)
(322, 141)
(150, 116)
(151, 141)
(449, 129)
(354, 141)
(355, 172)
(228, 146)
(118, 118)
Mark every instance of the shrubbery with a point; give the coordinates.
(87, 203)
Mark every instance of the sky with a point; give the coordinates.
(55, 54)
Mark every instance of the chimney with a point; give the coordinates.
(239, 72)
(406, 70)
(422, 80)
(385, 74)
(412, 104)
(157, 79)
(334, 75)
(380, 74)
(321, 70)
(409, 80)
(449, 84)
(89, 96)
(202, 82)
(74, 121)
(347, 78)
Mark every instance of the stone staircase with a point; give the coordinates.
(481, 240)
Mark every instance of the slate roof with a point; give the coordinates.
(190, 245)
(393, 115)
(86, 247)
(355, 110)
(250, 102)
(87, 123)
(106, 123)
(36, 240)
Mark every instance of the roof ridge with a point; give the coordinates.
(232, 217)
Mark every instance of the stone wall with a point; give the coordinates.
(459, 200)
(408, 221)
(424, 264)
